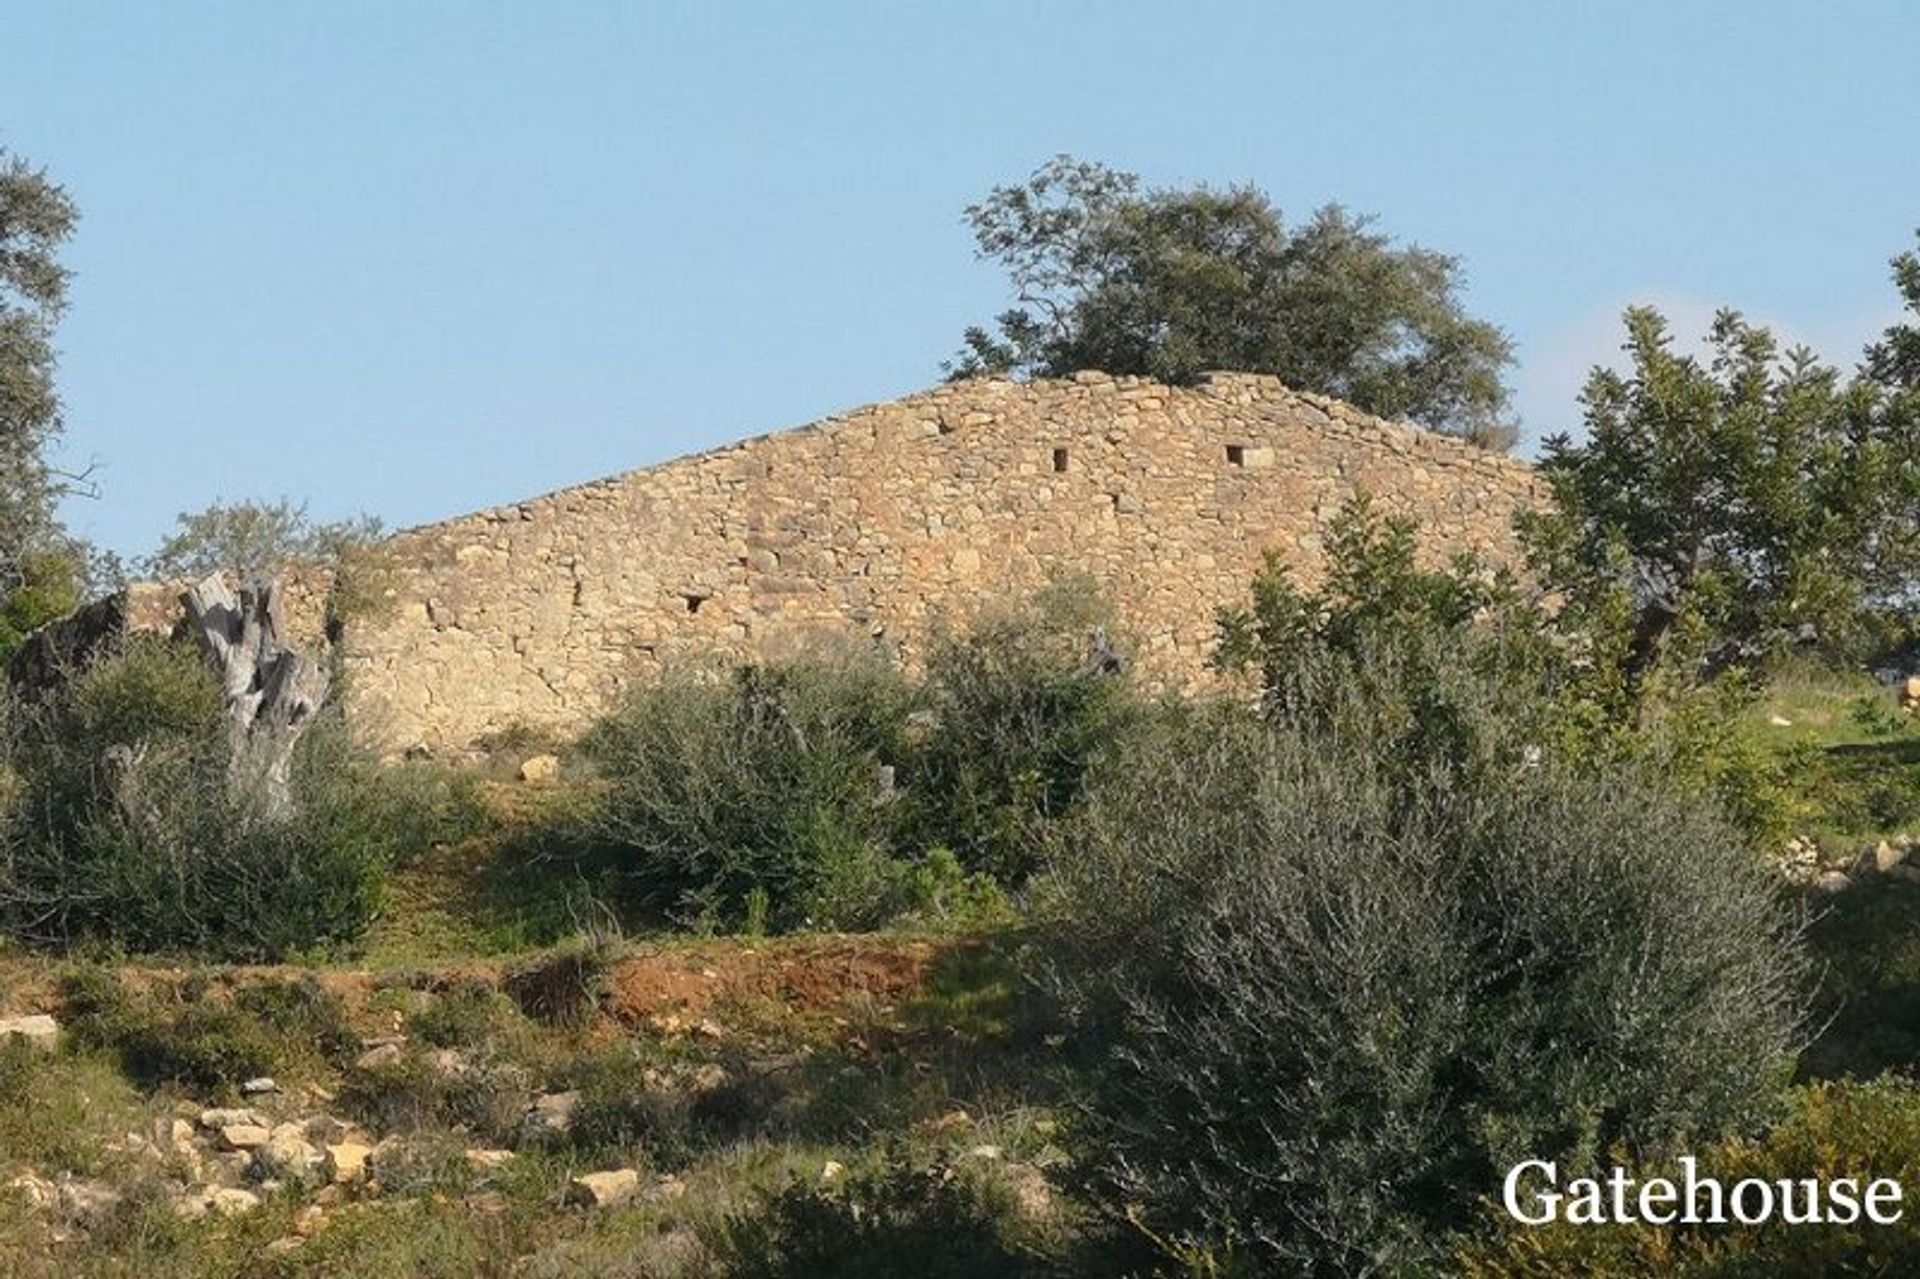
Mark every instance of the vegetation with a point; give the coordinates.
(41, 567)
(1719, 513)
(124, 828)
(1172, 283)
(1340, 989)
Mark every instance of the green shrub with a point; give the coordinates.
(1021, 703)
(1341, 992)
(125, 829)
(904, 1217)
(196, 1039)
(774, 779)
(1832, 1131)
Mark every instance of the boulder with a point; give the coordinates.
(287, 1155)
(245, 1136)
(218, 1117)
(216, 1201)
(38, 1029)
(540, 768)
(488, 1160)
(379, 1057)
(346, 1162)
(552, 1113)
(603, 1189)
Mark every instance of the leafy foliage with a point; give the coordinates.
(1842, 1130)
(769, 779)
(254, 540)
(125, 829)
(1020, 703)
(1718, 513)
(1171, 283)
(1339, 994)
(40, 566)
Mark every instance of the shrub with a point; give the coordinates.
(1340, 992)
(195, 1039)
(1833, 1130)
(1021, 702)
(903, 1217)
(125, 829)
(774, 780)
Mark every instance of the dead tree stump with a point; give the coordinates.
(272, 692)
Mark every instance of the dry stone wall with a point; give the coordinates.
(875, 522)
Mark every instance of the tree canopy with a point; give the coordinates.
(1721, 508)
(1171, 283)
(40, 567)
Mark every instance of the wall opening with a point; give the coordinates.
(1236, 455)
(1059, 459)
(694, 602)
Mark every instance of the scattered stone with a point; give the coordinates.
(245, 1136)
(257, 1087)
(1832, 881)
(325, 1130)
(172, 1134)
(447, 1063)
(552, 1112)
(346, 1162)
(379, 1057)
(540, 768)
(217, 1118)
(288, 1155)
(285, 1244)
(1779, 721)
(216, 1201)
(38, 1029)
(832, 1171)
(604, 1189)
(984, 1152)
(1910, 694)
(707, 1028)
(488, 1160)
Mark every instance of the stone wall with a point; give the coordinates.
(874, 522)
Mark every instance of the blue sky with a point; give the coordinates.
(419, 258)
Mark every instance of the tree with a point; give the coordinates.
(1721, 510)
(253, 540)
(41, 568)
(1171, 283)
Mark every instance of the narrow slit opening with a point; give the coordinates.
(1059, 459)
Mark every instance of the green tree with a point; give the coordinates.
(40, 567)
(1721, 509)
(253, 539)
(1171, 283)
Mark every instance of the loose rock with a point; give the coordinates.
(604, 1189)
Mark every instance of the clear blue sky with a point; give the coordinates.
(417, 258)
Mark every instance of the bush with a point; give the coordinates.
(1021, 703)
(125, 829)
(771, 785)
(201, 1037)
(904, 1217)
(1342, 994)
(1833, 1130)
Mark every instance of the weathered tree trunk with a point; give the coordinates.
(272, 691)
